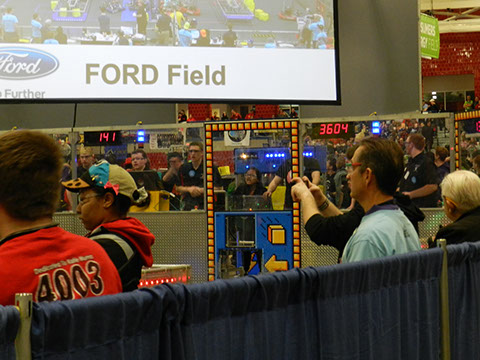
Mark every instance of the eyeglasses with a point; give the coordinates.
(352, 166)
(83, 201)
(253, 176)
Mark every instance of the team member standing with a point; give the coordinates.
(191, 178)
(420, 179)
(36, 255)
(106, 194)
(384, 230)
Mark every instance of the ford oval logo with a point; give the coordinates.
(22, 63)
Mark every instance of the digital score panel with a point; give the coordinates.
(334, 130)
(102, 138)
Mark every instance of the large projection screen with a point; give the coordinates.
(276, 51)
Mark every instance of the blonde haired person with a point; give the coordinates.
(461, 203)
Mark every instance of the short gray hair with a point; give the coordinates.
(463, 187)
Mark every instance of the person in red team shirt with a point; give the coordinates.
(37, 256)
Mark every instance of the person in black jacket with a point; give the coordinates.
(461, 203)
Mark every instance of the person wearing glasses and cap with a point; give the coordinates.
(106, 193)
(376, 169)
(191, 178)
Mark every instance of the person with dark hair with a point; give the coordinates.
(442, 162)
(140, 160)
(60, 36)
(420, 179)
(163, 28)
(252, 184)
(36, 29)
(171, 178)
(142, 173)
(104, 21)
(229, 37)
(375, 171)
(106, 194)
(36, 255)
(142, 18)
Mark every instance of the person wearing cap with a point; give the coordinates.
(204, 39)
(185, 37)
(36, 255)
(433, 108)
(87, 159)
(106, 193)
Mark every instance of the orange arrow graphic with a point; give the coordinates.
(273, 265)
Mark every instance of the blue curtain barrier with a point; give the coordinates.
(380, 309)
(464, 299)
(9, 325)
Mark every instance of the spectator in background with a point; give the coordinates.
(204, 39)
(476, 103)
(163, 28)
(461, 203)
(121, 39)
(442, 162)
(235, 115)
(9, 22)
(420, 180)
(106, 194)
(104, 21)
(185, 36)
(224, 116)
(142, 18)
(47, 32)
(214, 116)
(330, 179)
(468, 104)
(60, 36)
(36, 29)
(433, 108)
(229, 37)
(424, 106)
(178, 18)
(190, 117)
(36, 255)
(428, 133)
(181, 116)
(251, 114)
(340, 181)
(476, 165)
